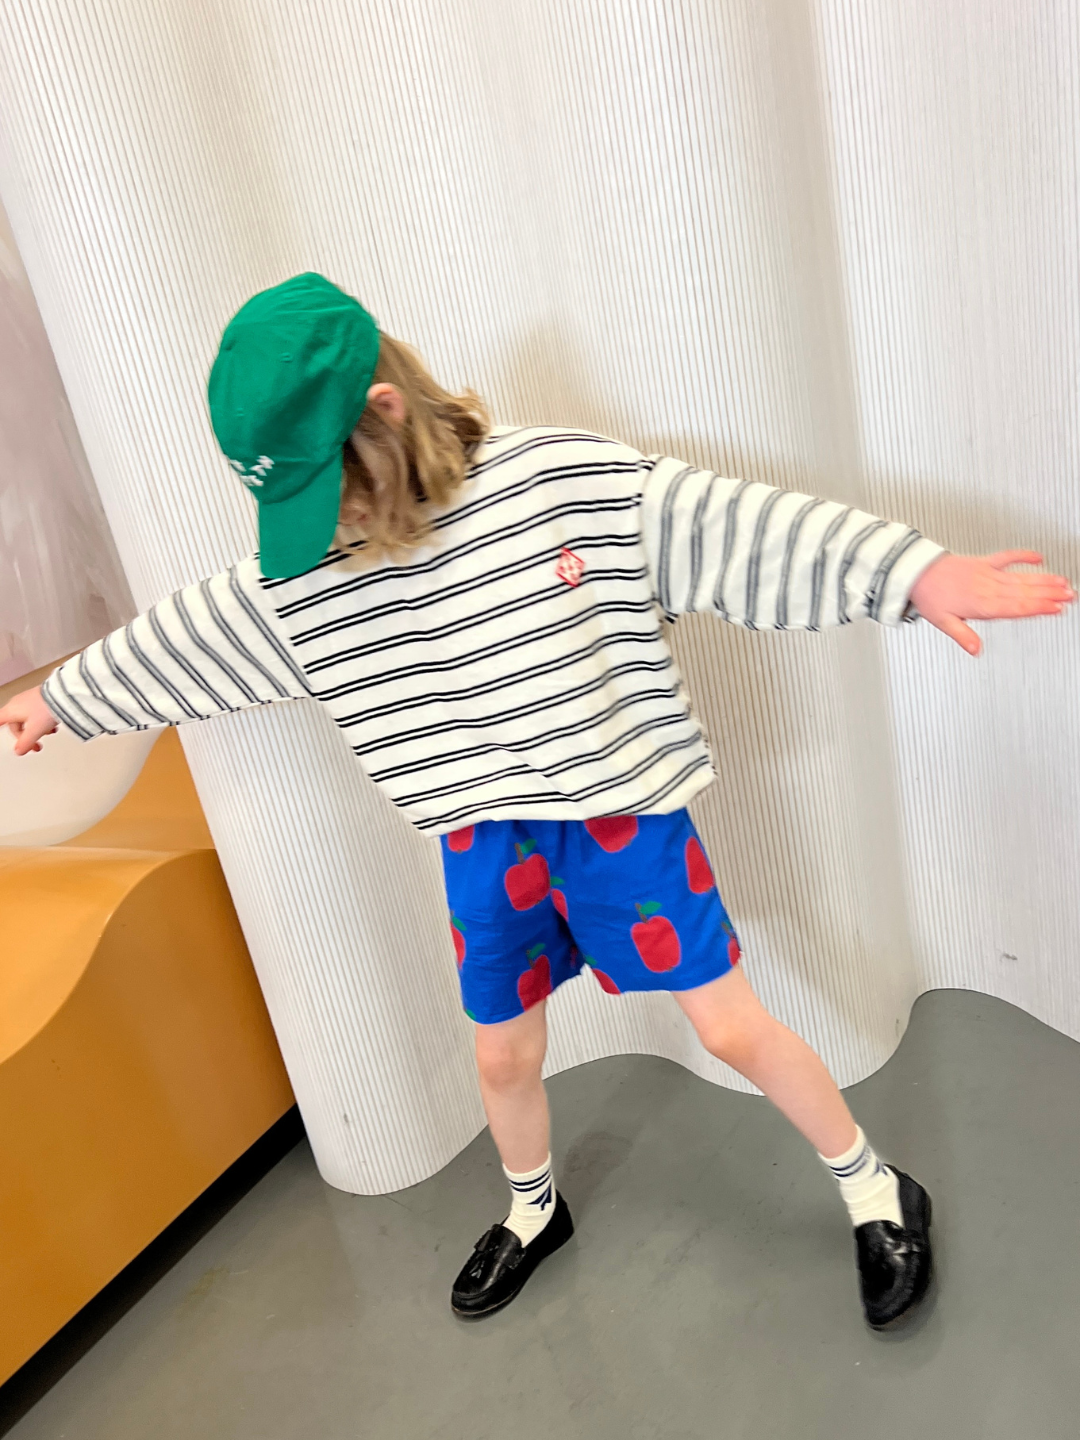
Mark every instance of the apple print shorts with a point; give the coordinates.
(535, 902)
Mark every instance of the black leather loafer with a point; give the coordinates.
(500, 1265)
(895, 1261)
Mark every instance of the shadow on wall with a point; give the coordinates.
(975, 523)
(545, 360)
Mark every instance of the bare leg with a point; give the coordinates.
(509, 1057)
(733, 1025)
(893, 1244)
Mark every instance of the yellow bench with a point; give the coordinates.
(137, 1061)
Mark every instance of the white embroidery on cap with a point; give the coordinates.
(252, 476)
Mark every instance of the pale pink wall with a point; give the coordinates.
(61, 585)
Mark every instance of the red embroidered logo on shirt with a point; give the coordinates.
(570, 568)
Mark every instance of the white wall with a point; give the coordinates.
(956, 143)
(768, 237)
(61, 585)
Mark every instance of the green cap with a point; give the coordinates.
(287, 388)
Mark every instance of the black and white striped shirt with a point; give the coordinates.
(515, 667)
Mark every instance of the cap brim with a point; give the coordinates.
(295, 534)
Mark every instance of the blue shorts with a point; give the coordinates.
(532, 902)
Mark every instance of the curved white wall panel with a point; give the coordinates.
(957, 156)
(733, 233)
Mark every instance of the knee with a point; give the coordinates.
(507, 1062)
(737, 1039)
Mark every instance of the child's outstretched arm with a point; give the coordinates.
(207, 650)
(774, 559)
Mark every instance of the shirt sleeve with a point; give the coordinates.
(773, 559)
(209, 649)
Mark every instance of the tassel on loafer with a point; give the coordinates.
(895, 1261)
(500, 1265)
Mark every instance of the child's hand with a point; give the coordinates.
(29, 718)
(972, 587)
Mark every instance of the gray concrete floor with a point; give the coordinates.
(709, 1291)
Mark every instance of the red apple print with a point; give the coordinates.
(534, 984)
(734, 954)
(613, 832)
(656, 939)
(457, 931)
(527, 882)
(699, 875)
(558, 899)
(607, 984)
(460, 840)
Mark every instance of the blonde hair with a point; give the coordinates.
(396, 481)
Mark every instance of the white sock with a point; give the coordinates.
(869, 1189)
(532, 1201)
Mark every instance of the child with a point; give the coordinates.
(481, 611)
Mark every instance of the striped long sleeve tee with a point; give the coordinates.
(516, 666)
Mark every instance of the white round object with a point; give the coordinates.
(66, 787)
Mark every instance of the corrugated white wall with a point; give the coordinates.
(956, 144)
(793, 240)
